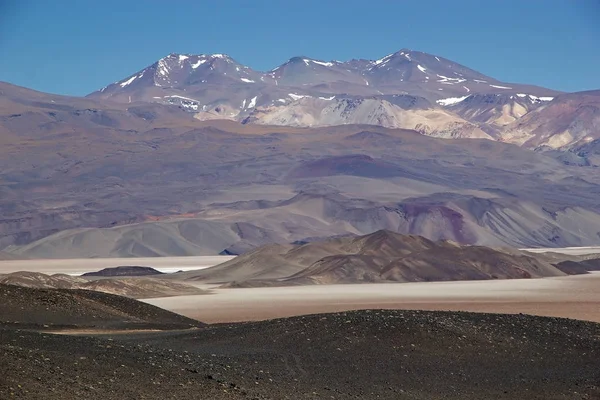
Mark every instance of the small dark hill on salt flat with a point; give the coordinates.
(126, 270)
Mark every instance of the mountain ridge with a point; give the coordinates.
(216, 86)
(404, 71)
(381, 256)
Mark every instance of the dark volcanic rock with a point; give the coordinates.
(370, 354)
(579, 267)
(125, 271)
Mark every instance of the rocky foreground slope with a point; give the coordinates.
(363, 354)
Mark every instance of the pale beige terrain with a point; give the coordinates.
(80, 266)
(572, 251)
(575, 297)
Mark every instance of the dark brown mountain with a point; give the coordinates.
(382, 256)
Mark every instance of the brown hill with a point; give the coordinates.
(382, 256)
(436, 264)
(41, 281)
(54, 308)
(138, 288)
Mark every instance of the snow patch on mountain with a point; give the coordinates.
(181, 97)
(130, 80)
(450, 100)
(307, 61)
(533, 98)
(383, 60)
(296, 96)
(163, 67)
(450, 81)
(247, 80)
(500, 87)
(422, 69)
(198, 63)
(252, 103)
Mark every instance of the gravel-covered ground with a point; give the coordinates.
(363, 354)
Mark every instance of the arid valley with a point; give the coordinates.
(575, 296)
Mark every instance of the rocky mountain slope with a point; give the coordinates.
(497, 110)
(160, 182)
(307, 112)
(571, 120)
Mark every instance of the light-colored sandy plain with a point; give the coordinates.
(80, 266)
(570, 297)
(573, 251)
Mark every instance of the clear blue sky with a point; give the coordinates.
(75, 47)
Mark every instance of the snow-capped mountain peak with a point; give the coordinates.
(205, 82)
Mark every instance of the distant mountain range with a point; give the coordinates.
(201, 155)
(405, 72)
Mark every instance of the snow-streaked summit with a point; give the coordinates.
(222, 87)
